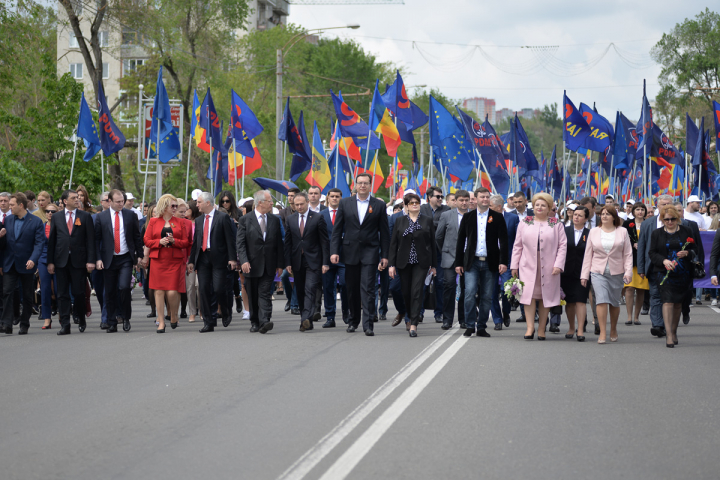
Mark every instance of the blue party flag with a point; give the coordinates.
(111, 138)
(169, 143)
(245, 125)
(575, 128)
(87, 131)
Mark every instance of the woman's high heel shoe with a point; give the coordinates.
(530, 337)
(160, 330)
(173, 325)
(670, 345)
(541, 338)
(48, 326)
(581, 338)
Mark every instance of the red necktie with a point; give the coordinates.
(47, 230)
(333, 217)
(70, 223)
(4, 215)
(206, 230)
(117, 232)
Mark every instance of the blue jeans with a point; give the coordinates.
(330, 281)
(478, 279)
(498, 315)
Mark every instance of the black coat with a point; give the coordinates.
(633, 235)
(264, 255)
(314, 244)
(81, 242)
(659, 250)
(365, 243)
(424, 239)
(105, 235)
(223, 246)
(496, 240)
(426, 210)
(575, 253)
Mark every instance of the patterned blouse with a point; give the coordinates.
(408, 231)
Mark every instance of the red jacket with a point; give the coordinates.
(180, 234)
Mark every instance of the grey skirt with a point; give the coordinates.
(607, 288)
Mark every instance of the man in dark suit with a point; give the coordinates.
(434, 208)
(512, 221)
(213, 253)
(361, 227)
(314, 193)
(290, 293)
(485, 256)
(5, 212)
(446, 237)
(119, 247)
(520, 202)
(307, 253)
(335, 276)
(98, 276)
(22, 241)
(260, 249)
(70, 254)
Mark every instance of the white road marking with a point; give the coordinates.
(716, 309)
(353, 455)
(312, 457)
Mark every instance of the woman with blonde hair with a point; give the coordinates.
(167, 239)
(538, 259)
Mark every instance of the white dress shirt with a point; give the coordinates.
(210, 226)
(578, 234)
(460, 215)
(481, 248)
(362, 206)
(74, 215)
(697, 218)
(521, 215)
(258, 215)
(315, 209)
(123, 243)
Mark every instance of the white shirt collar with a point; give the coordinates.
(73, 212)
(367, 200)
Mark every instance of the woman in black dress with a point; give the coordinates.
(668, 257)
(639, 285)
(412, 256)
(576, 295)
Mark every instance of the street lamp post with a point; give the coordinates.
(279, 91)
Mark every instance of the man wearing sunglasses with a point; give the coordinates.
(434, 208)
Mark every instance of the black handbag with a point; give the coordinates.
(697, 268)
(429, 300)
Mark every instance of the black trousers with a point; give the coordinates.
(307, 282)
(412, 281)
(213, 289)
(117, 285)
(27, 281)
(259, 290)
(16, 301)
(65, 278)
(361, 285)
(449, 289)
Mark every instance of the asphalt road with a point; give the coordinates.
(328, 404)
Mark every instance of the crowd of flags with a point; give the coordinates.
(632, 161)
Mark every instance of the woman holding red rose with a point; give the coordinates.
(638, 285)
(669, 256)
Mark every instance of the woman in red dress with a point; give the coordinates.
(167, 239)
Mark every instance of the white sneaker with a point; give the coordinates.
(246, 315)
(714, 302)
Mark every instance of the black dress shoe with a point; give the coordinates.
(468, 332)
(266, 327)
(64, 330)
(295, 311)
(369, 333)
(329, 324)
(520, 320)
(76, 320)
(16, 320)
(597, 329)
(498, 326)
(483, 333)
(226, 321)
(305, 325)
(206, 329)
(183, 314)
(173, 325)
(506, 319)
(287, 306)
(82, 326)
(111, 329)
(147, 302)
(346, 316)
(413, 333)
(462, 325)
(374, 318)
(439, 319)
(383, 317)
(554, 328)
(254, 329)
(350, 329)
(126, 325)
(23, 330)
(103, 326)
(446, 326)
(686, 318)
(151, 315)
(316, 317)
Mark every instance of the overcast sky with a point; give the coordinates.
(582, 30)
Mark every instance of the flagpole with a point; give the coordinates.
(347, 153)
(102, 169)
(577, 155)
(486, 171)
(72, 166)
(187, 175)
(564, 169)
(242, 191)
(337, 157)
(685, 187)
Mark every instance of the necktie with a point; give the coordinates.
(4, 215)
(263, 225)
(206, 230)
(70, 223)
(302, 225)
(47, 230)
(117, 232)
(333, 216)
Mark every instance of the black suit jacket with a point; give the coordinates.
(314, 243)
(496, 240)
(105, 235)
(424, 239)
(81, 242)
(264, 256)
(360, 243)
(575, 253)
(223, 246)
(715, 255)
(426, 210)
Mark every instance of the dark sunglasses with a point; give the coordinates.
(670, 219)
(174, 205)
(50, 211)
(439, 196)
(413, 203)
(225, 201)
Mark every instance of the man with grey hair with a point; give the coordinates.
(261, 252)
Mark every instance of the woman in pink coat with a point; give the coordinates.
(538, 258)
(608, 259)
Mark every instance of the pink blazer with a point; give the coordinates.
(619, 258)
(553, 247)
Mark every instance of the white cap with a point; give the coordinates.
(693, 198)
(409, 191)
(195, 194)
(130, 196)
(322, 198)
(399, 201)
(609, 196)
(630, 202)
(572, 206)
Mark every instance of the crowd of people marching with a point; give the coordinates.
(200, 261)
